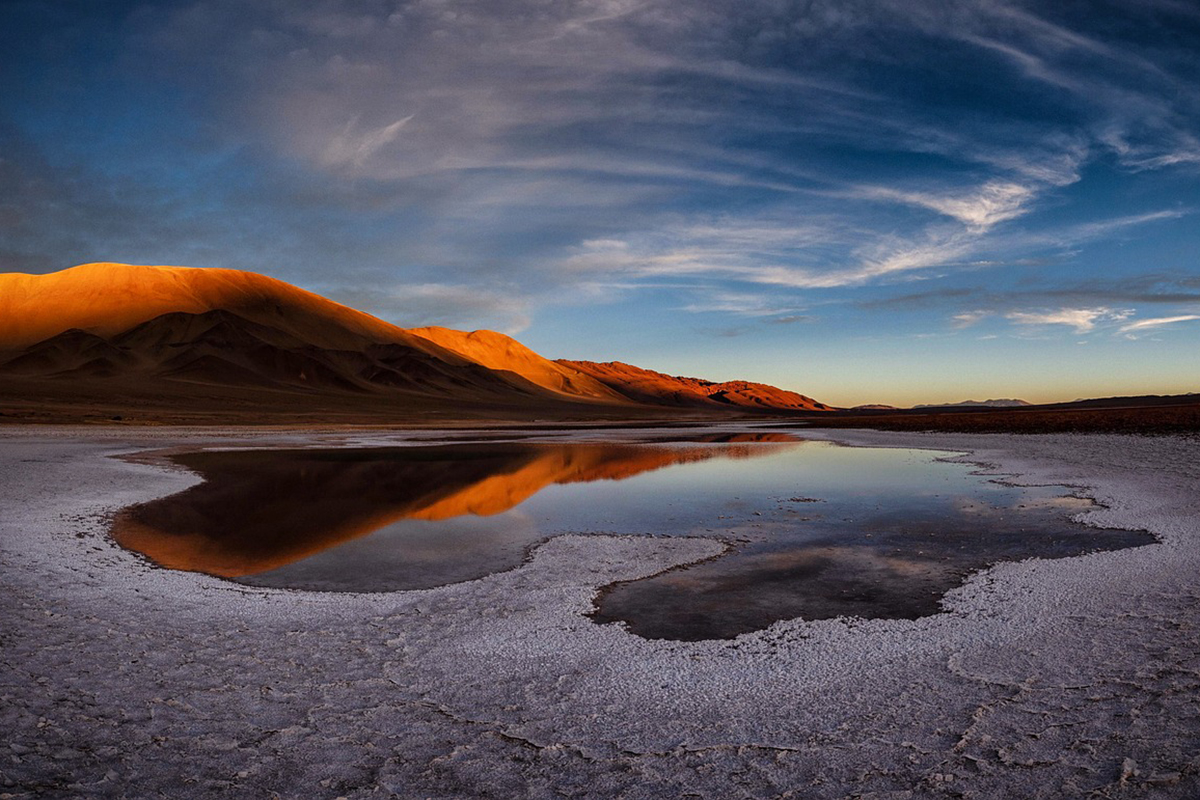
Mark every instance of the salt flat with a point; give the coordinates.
(1042, 678)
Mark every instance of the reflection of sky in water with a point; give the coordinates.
(745, 496)
(850, 484)
(821, 530)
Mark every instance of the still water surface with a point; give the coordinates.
(816, 530)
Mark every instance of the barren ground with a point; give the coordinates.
(1071, 677)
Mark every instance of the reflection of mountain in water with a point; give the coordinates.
(821, 531)
(260, 510)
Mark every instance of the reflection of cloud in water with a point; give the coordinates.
(1065, 503)
(967, 505)
(876, 562)
(751, 591)
(864, 564)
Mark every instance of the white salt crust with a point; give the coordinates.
(1042, 679)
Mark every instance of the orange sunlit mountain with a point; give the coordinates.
(109, 299)
(120, 336)
(255, 512)
(500, 352)
(655, 387)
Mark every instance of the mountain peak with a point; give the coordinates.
(108, 298)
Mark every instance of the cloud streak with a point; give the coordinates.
(1144, 325)
(353, 148)
(979, 210)
(1082, 320)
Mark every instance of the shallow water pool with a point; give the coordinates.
(815, 530)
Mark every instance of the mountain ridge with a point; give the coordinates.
(108, 299)
(651, 386)
(112, 332)
(1002, 403)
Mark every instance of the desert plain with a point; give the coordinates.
(599, 399)
(1040, 678)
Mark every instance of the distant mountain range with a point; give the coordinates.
(978, 403)
(116, 335)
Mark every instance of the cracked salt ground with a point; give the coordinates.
(1044, 679)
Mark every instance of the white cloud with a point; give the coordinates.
(765, 251)
(352, 148)
(605, 244)
(1071, 236)
(969, 318)
(745, 304)
(1181, 148)
(1095, 230)
(1157, 322)
(1032, 65)
(938, 249)
(1082, 320)
(981, 209)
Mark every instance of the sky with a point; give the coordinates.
(865, 201)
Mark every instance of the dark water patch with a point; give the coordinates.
(883, 563)
(819, 530)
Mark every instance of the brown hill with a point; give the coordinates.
(223, 349)
(118, 336)
(1144, 414)
(107, 299)
(223, 326)
(497, 351)
(647, 386)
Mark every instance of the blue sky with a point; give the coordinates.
(884, 201)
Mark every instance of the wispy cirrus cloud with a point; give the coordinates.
(1133, 329)
(979, 209)
(1106, 227)
(1082, 320)
(966, 319)
(353, 147)
(759, 255)
(766, 308)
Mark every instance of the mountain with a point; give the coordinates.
(222, 348)
(106, 299)
(223, 325)
(647, 386)
(978, 403)
(1142, 414)
(497, 351)
(120, 336)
